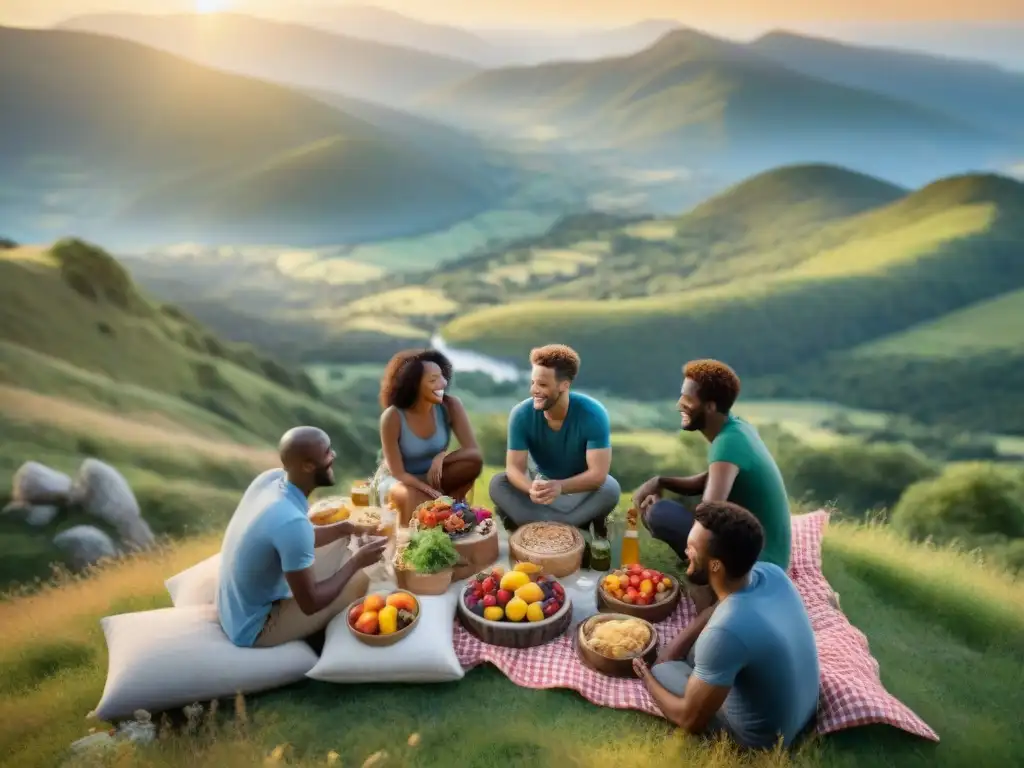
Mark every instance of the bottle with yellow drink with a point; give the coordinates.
(630, 539)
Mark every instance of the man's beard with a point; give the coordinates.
(324, 477)
(699, 577)
(550, 402)
(695, 423)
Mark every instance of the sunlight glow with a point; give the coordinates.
(212, 6)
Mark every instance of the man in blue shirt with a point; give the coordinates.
(752, 663)
(566, 437)
(268, 592)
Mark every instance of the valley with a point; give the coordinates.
(218, 225)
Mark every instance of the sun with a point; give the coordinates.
(212, 6)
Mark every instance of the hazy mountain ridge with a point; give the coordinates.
(130, 124)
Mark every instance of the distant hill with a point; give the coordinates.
(983, 94)
(755, 227)
(828, 288)
(386, 26)
(693, 98)
(291, 54)
(107, 137)
(73, 325)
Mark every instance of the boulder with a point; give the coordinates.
(41, 515)
(84, 545)
(35, 483)
(102, 491)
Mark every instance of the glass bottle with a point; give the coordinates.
(630, 539)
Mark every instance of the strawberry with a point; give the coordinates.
(503, 597)
(489, 585)
(551, 608)
(489, 601)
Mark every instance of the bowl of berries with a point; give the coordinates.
(520, 608)
(636, 590)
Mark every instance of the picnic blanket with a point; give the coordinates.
(852, 693)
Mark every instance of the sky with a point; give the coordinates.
(574, 12)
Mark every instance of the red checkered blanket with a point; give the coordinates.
(851, 692)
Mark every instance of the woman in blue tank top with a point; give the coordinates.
(415, 431)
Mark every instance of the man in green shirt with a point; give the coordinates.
(740, 470)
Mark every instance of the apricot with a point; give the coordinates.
(373, 603)
(367, 623)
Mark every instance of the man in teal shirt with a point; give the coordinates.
(566, 437)
(751, 668)
(740, 467)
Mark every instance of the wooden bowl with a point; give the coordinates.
(516, 634)
(607, 665)
(381, 641)
(560, 565)
(476, 553)
(423, 583)
(653, 613)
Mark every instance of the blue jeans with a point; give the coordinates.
(669, 521)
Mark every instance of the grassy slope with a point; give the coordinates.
(195, 133)
(977, 329)
(97, 370)
(73, 325)
(946, 647)
(859, 279)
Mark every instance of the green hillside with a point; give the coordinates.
(309, 193)
(291, 54)
(717, 104)
(924, 371)
(73, 325)
(935, 251)
(93, 123)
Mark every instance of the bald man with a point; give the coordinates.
(269, 593)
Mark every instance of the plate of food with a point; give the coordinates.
(519, 608)
(456, 518)
(608, 643)
(380, 619)
(636, 590)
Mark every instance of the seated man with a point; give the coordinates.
(740, 467)
(268, 593)
(752, 668)
(567, 436)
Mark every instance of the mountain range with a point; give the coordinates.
(108, 137)
(290, 54)
(714, 104)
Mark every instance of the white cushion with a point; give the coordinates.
(198, 585)
(425, 655)
(171, 657)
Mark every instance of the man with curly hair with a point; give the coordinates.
(740, 467)
(752, 669)
(566, 437)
